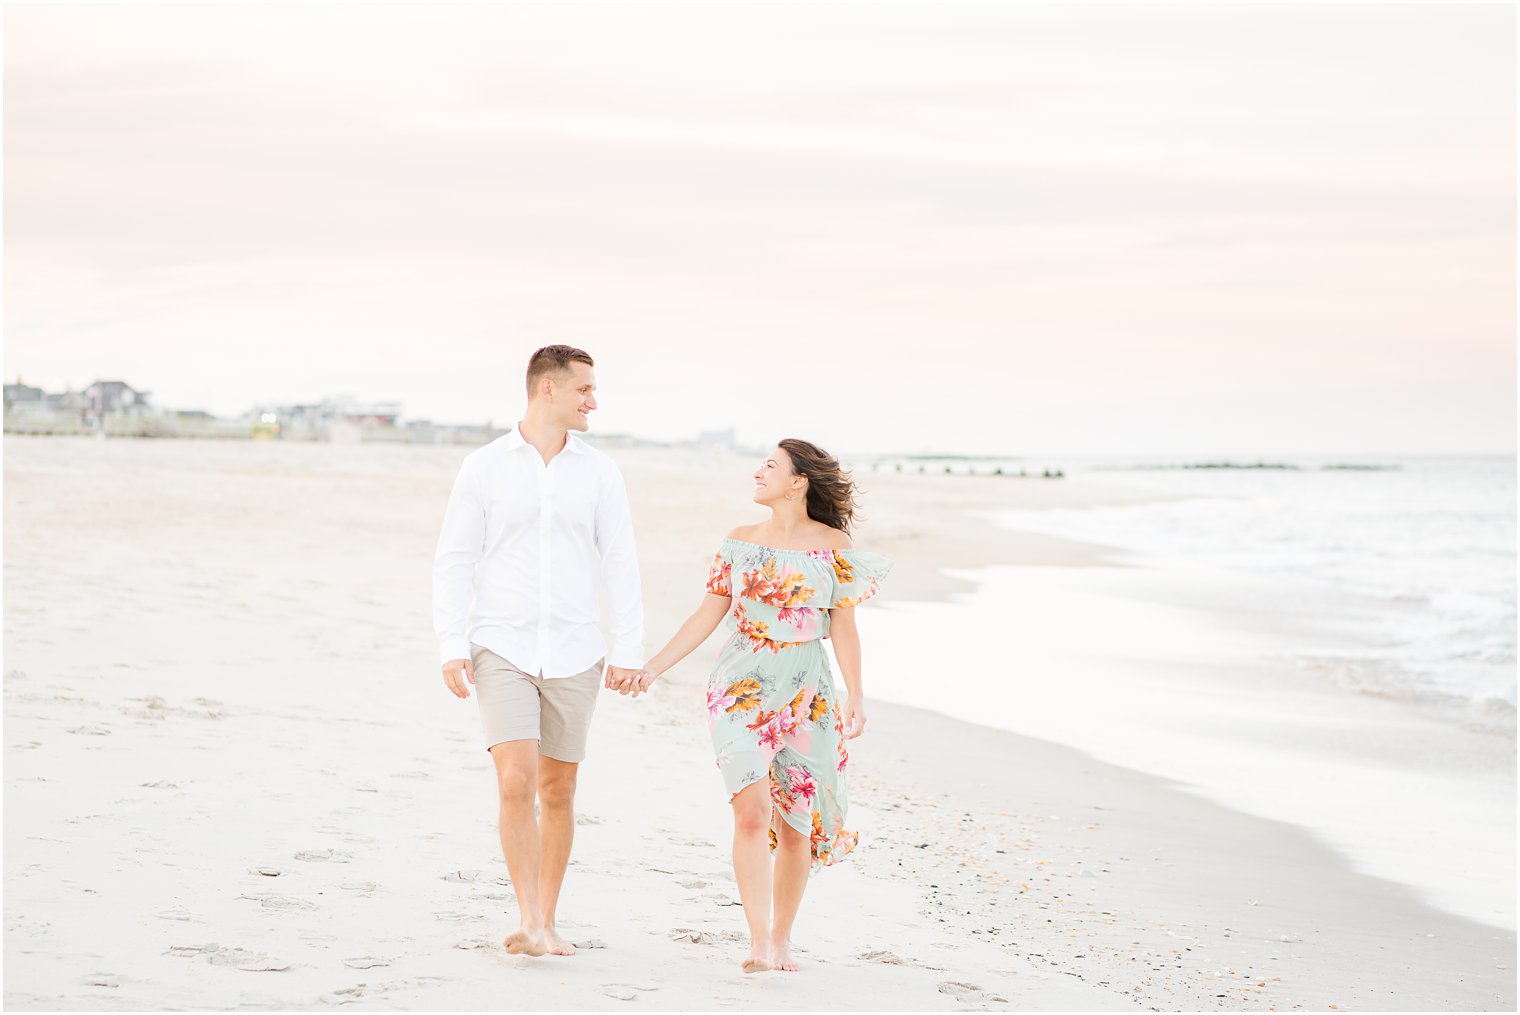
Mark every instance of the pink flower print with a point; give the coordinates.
(771, 734)
(717, 702)
(797, 616)
(802, 784)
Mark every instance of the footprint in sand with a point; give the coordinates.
(484, 946)
(359, 887)
(476, 877)
(325, 856)
(269, 901)
(348, 995)
(890, 958)
(970, 993)
(366, 962)
(253, 962)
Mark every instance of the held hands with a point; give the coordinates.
(634, 682)
(455, 673)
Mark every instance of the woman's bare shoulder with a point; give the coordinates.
(833, 539)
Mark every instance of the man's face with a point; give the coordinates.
(574, 398)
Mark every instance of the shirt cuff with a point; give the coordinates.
(450, 649)
(627, 657)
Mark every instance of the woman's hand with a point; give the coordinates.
(641, 682)
(854, 718)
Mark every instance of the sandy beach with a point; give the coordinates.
(234, 780)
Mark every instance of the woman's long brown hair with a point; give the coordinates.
(831, 492)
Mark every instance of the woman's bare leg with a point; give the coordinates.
(752, 868)
(794, 858)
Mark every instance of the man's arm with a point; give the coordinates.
(620, 570)
(460, 545)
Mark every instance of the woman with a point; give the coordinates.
(776, 719)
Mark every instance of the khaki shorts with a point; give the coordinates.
(518, 706)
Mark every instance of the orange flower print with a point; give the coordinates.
(757, 586)
(746, 695)
(756, 632)
(718, 577)
(781, 796)
(819, 710)
(793, 591)
(842, 569)
(760, 719)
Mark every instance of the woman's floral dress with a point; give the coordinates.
(772, 705)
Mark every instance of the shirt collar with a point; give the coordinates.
(514, 440)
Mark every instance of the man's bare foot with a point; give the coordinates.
(759, 960)
(781, 956)
(555, 944)
(525, 941)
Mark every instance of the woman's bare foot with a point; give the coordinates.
(759, 959)
(781, 956)
(525, 940)
(555, 944)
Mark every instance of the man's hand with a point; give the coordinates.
(619, 679)
(455, 673)
(642, 681)
(854, 719)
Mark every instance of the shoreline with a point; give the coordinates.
(164, 753)
(1417, 797)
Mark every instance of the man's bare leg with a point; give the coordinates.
(556, 800)
(794, 860)
(752, 869)
(516, 781)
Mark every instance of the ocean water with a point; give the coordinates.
(1430, 539)
(1327, 647)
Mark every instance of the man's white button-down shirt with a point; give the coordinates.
(524, 539)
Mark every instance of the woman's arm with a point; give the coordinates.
(846, 638)
(691, 634)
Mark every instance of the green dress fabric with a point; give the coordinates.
(772, 706)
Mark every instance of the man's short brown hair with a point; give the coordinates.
(553, 359)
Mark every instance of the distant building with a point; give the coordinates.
(22, 394)
(726, 440)
(116, 398)
(66, 401)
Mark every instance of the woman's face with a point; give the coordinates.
(775, 479)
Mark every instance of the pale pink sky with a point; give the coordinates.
(983, 228)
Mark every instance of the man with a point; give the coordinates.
(529, 514)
